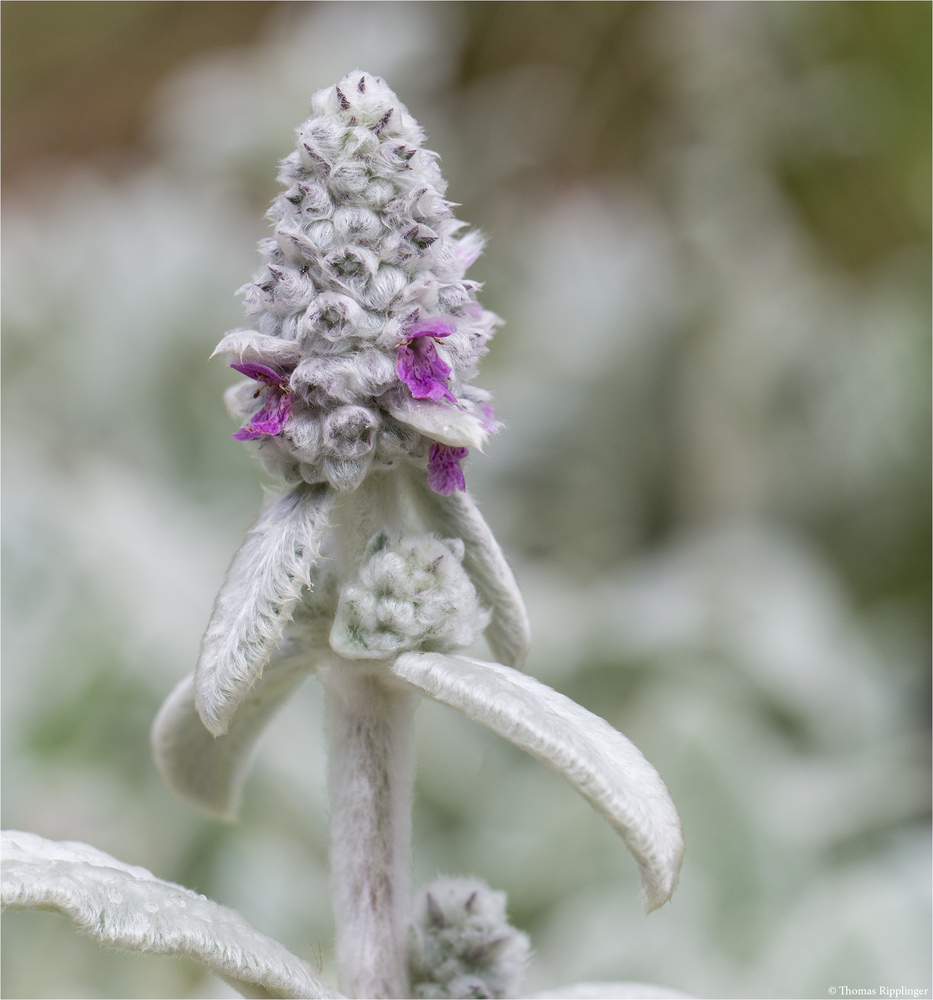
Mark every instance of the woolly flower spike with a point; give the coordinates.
(373, 568)
(363, 279)
(461, 944)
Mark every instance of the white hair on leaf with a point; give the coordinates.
(458, 428)
(207, 771)
(127, 907)
(255, 603)
(509, 632)
(603, 765)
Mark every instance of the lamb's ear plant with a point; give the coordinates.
(371, 568)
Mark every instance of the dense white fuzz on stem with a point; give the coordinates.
(410, 593)
(370, 778)
(604, 766)
(256, 601)
(461, 944)
(128, 907)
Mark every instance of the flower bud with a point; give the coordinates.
(364, 259)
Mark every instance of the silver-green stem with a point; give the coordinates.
(370, 773)
(370, 777)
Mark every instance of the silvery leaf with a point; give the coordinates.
(259, 347)
(604, 766)
(128, 907)
(440, 422)
(457, 516)
(256, 601)
(207, 771)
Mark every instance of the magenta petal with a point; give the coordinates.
(429, 328)
(423, 371)
(488, 420)
(270, 419)
(444, 473)
(261, 373)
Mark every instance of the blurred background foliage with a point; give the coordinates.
(709, 236)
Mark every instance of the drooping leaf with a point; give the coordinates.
(602, 764)
(207, 771)
(256, 601)
(127, 907)
(457, 516)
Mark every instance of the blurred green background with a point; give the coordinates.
(709, 236)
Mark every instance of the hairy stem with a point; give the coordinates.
(370, 777)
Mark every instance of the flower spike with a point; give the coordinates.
(363, 280)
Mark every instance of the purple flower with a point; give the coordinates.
(488, 419)
(419, 366)
(444, 473)
(277, 406)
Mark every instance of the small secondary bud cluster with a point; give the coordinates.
(461, 943)
(410, 593)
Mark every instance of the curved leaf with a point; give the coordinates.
(457, 516)
(207, 771)
(256, 601)
(440, 422)
(259, 347)
(128, 907)
(604, 766)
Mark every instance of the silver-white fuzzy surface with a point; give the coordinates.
(256, 601)
(125, 906)
(604, 767)
(410, 593)
(364, 247)
(461, 943)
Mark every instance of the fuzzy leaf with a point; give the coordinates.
(602, 764)
(440, 422)
(256, 601)
(261, 347)
(457, 516)
(128, 907)
(207, 771)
